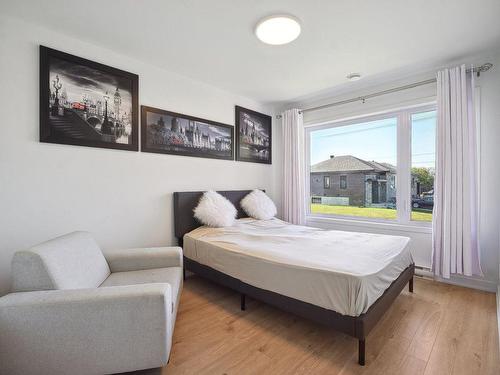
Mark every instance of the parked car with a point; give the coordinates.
(426, 202)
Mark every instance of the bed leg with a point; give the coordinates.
(184, 273)
(410, 285)
(361, 352)
(243, 302)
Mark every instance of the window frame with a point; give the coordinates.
(340, 182)
(325, 185)
(403, 167)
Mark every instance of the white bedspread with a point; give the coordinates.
(341, 271)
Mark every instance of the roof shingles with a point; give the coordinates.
(349, 163)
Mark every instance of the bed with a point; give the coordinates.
(340, 279)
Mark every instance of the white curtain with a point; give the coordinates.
(455, 224)
(293, 167)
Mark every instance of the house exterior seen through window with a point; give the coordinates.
(354, 169)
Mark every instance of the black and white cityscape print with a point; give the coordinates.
(254, 136)
(173, 133)
(88, 105)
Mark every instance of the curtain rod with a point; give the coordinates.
(483, 68)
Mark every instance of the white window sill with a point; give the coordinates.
(369, 224)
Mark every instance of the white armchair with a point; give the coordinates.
(76, 310)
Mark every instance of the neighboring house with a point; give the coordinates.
(348, 180)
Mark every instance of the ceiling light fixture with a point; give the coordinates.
(277, 30)
(353, 76)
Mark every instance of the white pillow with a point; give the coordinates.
(258, 205)
(215, 211)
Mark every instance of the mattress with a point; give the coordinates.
(341, 271)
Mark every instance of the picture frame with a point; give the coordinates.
(167, 132)
(86, 103)
(254, 136)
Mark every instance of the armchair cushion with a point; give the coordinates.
(72, 261)
(143, 259)
(170, 275)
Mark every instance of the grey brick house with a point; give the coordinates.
(348, 180)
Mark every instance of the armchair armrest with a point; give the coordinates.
(143, 259)
(102, 330)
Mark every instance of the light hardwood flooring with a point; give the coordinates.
(440, 329)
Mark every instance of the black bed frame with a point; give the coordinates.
(358, 327)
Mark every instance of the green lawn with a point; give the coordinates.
(421, 215)
(369, 212)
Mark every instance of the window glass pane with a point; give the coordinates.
(343, 182)
(360, 160)
(423, 162)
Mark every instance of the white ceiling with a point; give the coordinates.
(213, 41)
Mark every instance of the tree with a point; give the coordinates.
(425, 176)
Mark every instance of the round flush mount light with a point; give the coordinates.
(277, 30)
(353, 76)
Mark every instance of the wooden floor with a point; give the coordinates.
(440, 329)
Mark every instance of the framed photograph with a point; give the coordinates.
(174, 133)
(253, 141)
(86, 103)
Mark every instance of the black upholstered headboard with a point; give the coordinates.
(186, 201)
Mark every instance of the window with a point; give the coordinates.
(367, 150)
(343, 182)
(423, 164)
(390, 163)
(326, 182)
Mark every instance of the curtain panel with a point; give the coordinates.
(455, 224)
(293, 167)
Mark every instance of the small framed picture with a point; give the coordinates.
(253, 141)
(86, 103)
(168, 132)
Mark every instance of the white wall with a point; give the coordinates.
(489, 87)
(124, 198)
(489, 84)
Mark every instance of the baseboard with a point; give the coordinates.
(459, 280)
(424, 272)
(467, 282)
(470, 282)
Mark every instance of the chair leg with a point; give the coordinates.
(410, 285)
(361, 352)
(243, 302)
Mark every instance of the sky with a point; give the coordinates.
(376, 140)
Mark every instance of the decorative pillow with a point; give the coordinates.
(258, 205)
(215, 211)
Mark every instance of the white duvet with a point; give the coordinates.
(341, 271)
